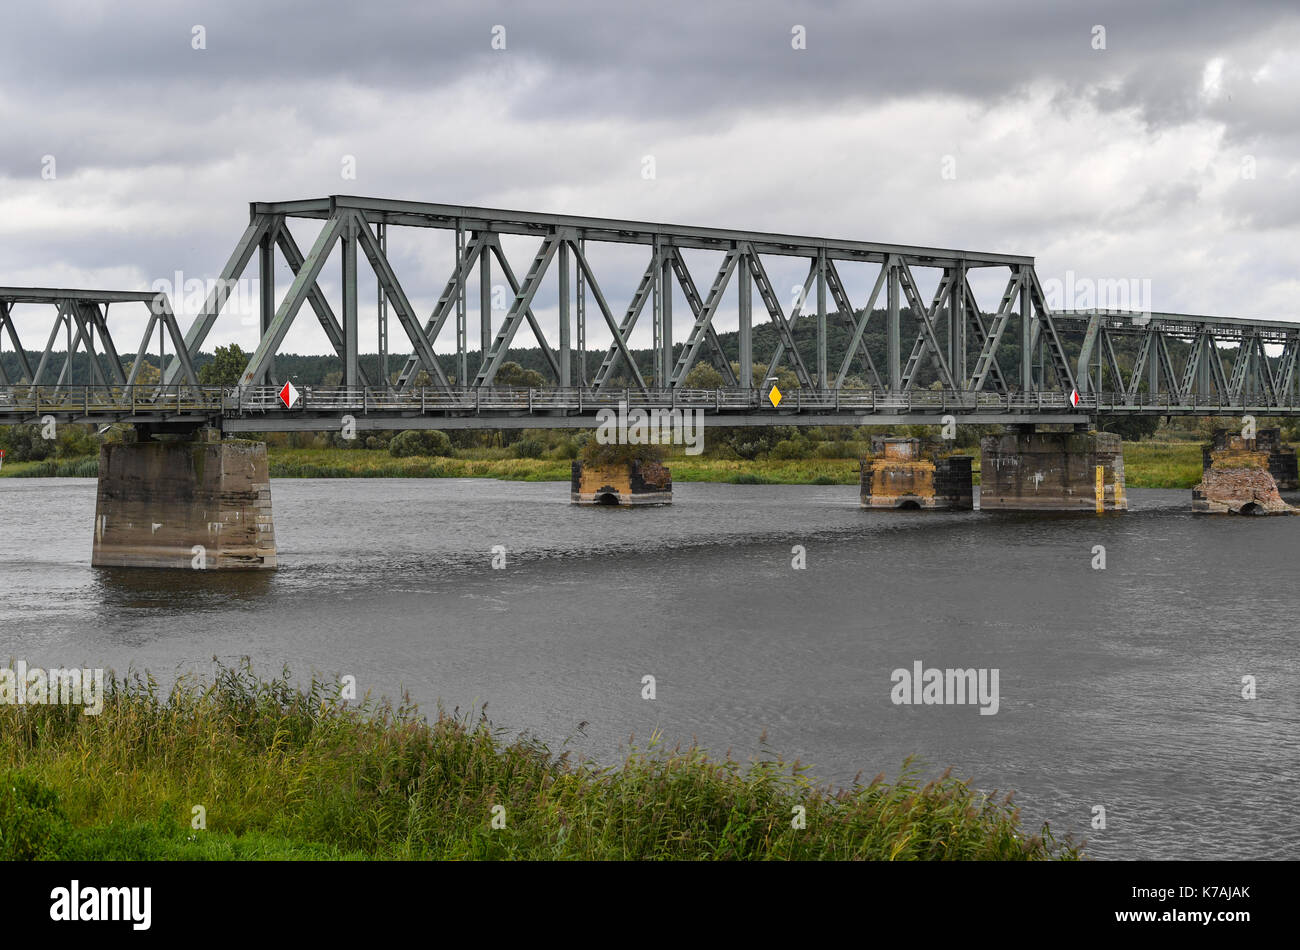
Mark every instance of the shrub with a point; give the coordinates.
(528, 448)
(420, 442)
(598, 454)
(792, 449)
(33, 825)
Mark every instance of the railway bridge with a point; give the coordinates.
(1008, 359)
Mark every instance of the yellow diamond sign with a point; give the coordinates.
(774, 395)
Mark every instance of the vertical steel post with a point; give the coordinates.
(1026, 335)
(823, 377)
(484, 304)
(1153, 367)
(894, 329)
(266, 293)
(462, 331)
(581, 315)
(381, 235)
(564, 312)
(666, 305)
(350, 362)
(957, 325)
(662, 372)
(746, 286)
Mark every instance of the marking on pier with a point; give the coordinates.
(1101, 489)
(288, 395)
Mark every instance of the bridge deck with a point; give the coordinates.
(259, 409)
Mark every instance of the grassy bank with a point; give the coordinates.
(1146, 465)
(286, 772)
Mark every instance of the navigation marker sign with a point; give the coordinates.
(1074, 398)
(288, 395)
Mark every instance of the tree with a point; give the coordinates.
(512, 374)
(227, 366)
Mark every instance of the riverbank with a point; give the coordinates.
(247, 768)
(1146, 465)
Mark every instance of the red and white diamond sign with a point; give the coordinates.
(288, 395)
(1074, 398)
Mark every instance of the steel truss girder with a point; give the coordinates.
(986, 362)
(927, 340)
(87, 312)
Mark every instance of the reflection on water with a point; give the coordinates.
(153, 588)
(1118, 687)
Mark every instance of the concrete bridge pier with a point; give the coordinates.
(636, 482)
(905, 473)
(1025, 469)
(196, 503)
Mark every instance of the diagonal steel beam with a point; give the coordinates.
(927, 339)
(293, 300)
(60, 320)
(1112, 362)
(981, 333)
(619, 347)
(6, 317)
(320, 304)
(162, 308)
(97, 318)
(621, 333)
(234, 269)
(451, 294)
(691, 350)
(1046, 326)
(986, 363)
(779, 352)
(692, 294)
(857, 341)
(784, 331)
(1140, 365)
(1167, 367)
(397, 297)
(520, 310)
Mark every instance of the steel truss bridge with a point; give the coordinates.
(1175, 361)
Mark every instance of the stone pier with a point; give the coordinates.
(196, 505)
(630, 483)
(905, 473)
(1027, 470)
(1281, 457)
(1240, 477)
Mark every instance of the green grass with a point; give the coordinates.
(1146, 465)
(1162, 464)
(87, 467)
(288, 772)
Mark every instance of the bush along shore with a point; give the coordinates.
(244, 767)
(1146, 465)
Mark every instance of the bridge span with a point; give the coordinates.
(946, 357)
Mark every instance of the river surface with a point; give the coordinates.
(1118, 687)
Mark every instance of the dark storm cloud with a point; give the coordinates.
(160, 146)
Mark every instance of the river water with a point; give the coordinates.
(1118, 687)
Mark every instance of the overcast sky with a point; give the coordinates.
(1170, 155)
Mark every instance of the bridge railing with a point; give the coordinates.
(110, 399)
(572, 398)
(90, 400)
